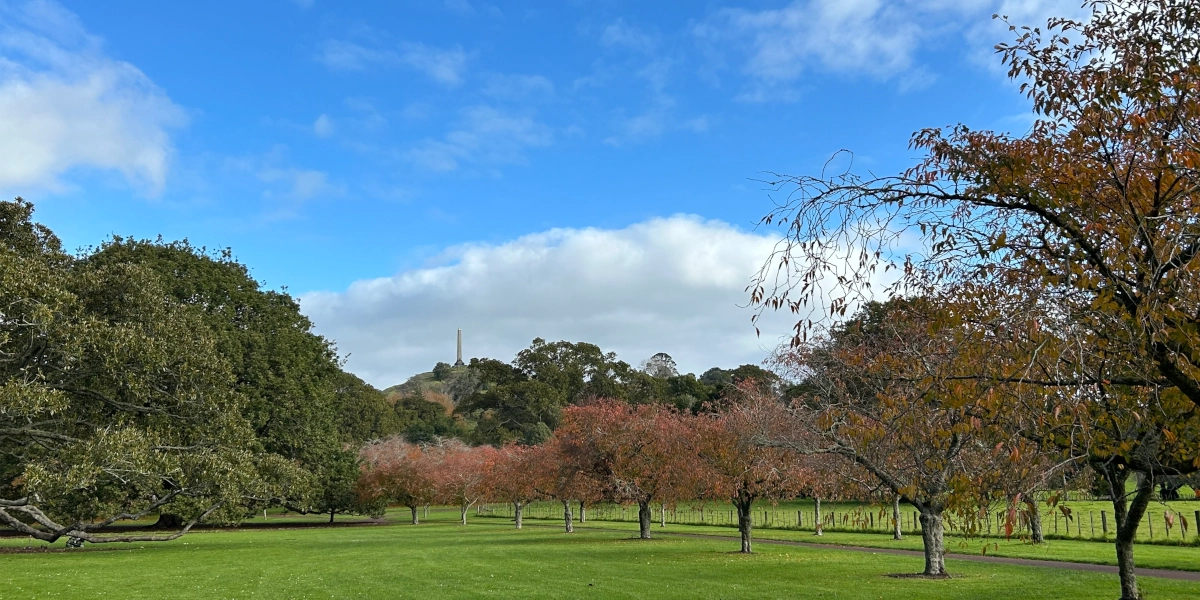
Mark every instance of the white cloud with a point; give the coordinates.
(518, 87)
(876, 38)
(444, 65)
(622, 34)
(485, 135)
(323, 126)
(297, 184)
(65, 105)
(672, 285)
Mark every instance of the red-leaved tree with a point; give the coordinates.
(395, 471)
(734, 467)
(461, 474)
(643, 454)
(511, 476)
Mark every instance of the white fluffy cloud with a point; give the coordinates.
(65, 105)
(672, 285)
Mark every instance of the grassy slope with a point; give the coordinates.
(489, 559)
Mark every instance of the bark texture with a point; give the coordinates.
(1127, 515)
(519, 513)
(415, 518)
(819, 525)
(745, 521)
(568, 519)
(897, 530)
(933, 536)
(644, 518)
(1035, 522)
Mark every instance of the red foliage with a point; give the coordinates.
(395, 471)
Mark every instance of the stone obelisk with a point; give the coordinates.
(459, 362)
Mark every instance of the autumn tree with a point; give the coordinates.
(460, 475)
(396, 471)
(882, 393)
(512, 477)
(561, 472)
(1092, 210)
(733, 466)
(639, 454)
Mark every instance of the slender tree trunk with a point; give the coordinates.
(331, 516)
(745, 520)
(1127, 516)
(582, 512)
(897, 530)
(819, 529)
(932, 537)
(463, 510)
(568, 518)
(644, 517)
(519, 513)
(415, 520)
(1035, 521)
(662, 514)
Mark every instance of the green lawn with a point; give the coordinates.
(490, 559)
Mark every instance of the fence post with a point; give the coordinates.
(799, 519)
(1196, 525)
(1104, 523)
(1092, 521)
(1150, 522)
(916, 521)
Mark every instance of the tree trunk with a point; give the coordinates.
(662, 514)
(168, 521)
(519, 513)
(568, 518)
(415, 520)
(745, 520)
(932, 531)
(897, 533)
(582, 512)
(463, 509)
(1127, 517)
(331, 516)
(1035, 522)
(644, 517)
(819, 528)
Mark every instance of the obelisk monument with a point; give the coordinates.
(459, 362)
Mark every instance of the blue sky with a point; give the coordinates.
(578, 170)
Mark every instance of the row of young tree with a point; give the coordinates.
(649, 455)
(1048, 280)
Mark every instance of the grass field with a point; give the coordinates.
(489, 559)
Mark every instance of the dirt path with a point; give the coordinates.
(1024, 562)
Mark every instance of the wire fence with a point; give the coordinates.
(1158, 525)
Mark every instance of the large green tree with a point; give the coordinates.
(300, 403)
(116, 400)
